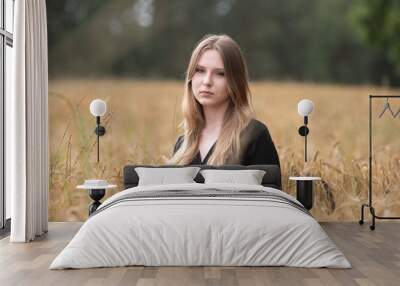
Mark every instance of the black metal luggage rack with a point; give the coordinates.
(394, 114)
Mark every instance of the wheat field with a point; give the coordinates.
(142, 126)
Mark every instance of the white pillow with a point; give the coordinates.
(249, 177)
(162, 176)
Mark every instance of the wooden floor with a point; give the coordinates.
(374, 255)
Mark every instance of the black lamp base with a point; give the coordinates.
(303, 130)
(100, 130)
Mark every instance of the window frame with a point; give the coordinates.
(6, 39)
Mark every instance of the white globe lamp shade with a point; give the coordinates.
(305, 107)
(98, 107)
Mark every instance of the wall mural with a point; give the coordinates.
(133, 55)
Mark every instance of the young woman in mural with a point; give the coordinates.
(218, 118)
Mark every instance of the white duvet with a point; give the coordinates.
(181, 231)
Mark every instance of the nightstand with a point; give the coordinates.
(96, 190)
(304, 190)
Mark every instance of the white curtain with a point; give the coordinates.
(27, 124)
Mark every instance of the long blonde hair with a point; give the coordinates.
(237, 116)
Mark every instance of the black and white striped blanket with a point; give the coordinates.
(207, 194)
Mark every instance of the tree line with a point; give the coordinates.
(303, 40)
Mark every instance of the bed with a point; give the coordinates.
(201, 223)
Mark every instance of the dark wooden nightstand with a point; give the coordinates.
(304, 190)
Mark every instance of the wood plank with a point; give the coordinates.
(375, 257)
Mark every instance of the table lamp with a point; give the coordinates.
(98, 108)
(304, 108)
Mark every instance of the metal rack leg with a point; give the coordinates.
(361, 221)
(374, 217)
(372, 210)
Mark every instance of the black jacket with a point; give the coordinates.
(257, 147)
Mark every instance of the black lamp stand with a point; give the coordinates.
(303, 131)
(100, 131)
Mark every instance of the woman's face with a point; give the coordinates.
(209, 84)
